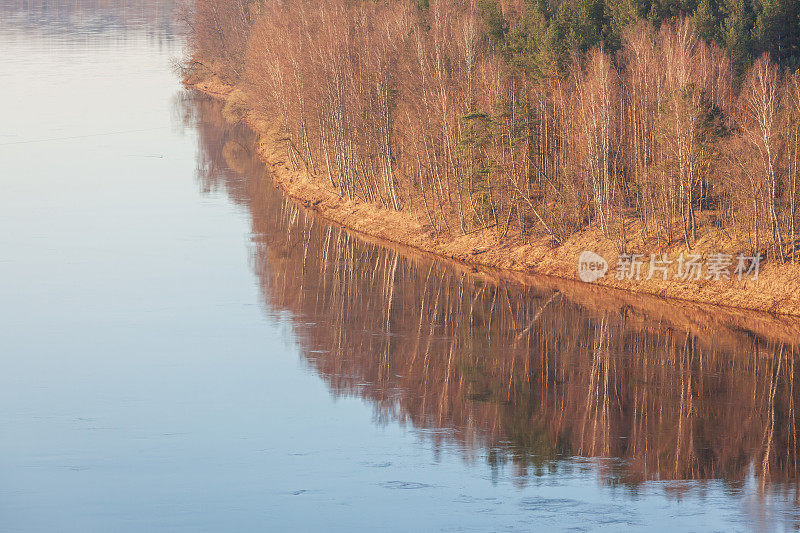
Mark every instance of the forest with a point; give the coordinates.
(677, 121)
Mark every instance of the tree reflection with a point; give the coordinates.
(530, 372)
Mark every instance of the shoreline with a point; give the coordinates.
(776, 291)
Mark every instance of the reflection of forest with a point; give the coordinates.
(531, 372)
(155, 17)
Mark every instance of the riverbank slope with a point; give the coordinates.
(776, 289)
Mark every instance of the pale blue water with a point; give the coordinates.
(146, 384)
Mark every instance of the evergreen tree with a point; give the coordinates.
(661, 10)
(619, 15)
(492, 15)
(736, 32)
(544, 34)
(705, 21)
(777, 29)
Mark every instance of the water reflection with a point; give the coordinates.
(111, 18)
(537, 373)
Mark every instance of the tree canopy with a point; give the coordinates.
(552, 30)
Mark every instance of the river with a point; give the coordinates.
(182, 348)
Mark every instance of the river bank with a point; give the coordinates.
(776, 288)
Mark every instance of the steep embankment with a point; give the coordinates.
(776, 290)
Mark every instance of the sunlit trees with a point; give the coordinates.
(685, 120)
(596, 96)
(643, 91)
(762, 128)
(530, 118)
(219, 30)
(794, 160)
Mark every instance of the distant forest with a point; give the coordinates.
(654, 123)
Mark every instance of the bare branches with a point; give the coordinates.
(420, 109)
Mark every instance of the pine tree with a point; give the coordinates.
(705, 22)
(619, 14)
(492, 15)
(777, 29)
(736, 32)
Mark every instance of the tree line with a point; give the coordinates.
(671, 120)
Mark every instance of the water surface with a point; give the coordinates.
(183, 348)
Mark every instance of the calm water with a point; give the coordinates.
(182, 348)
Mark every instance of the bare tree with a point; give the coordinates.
(761, 106)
